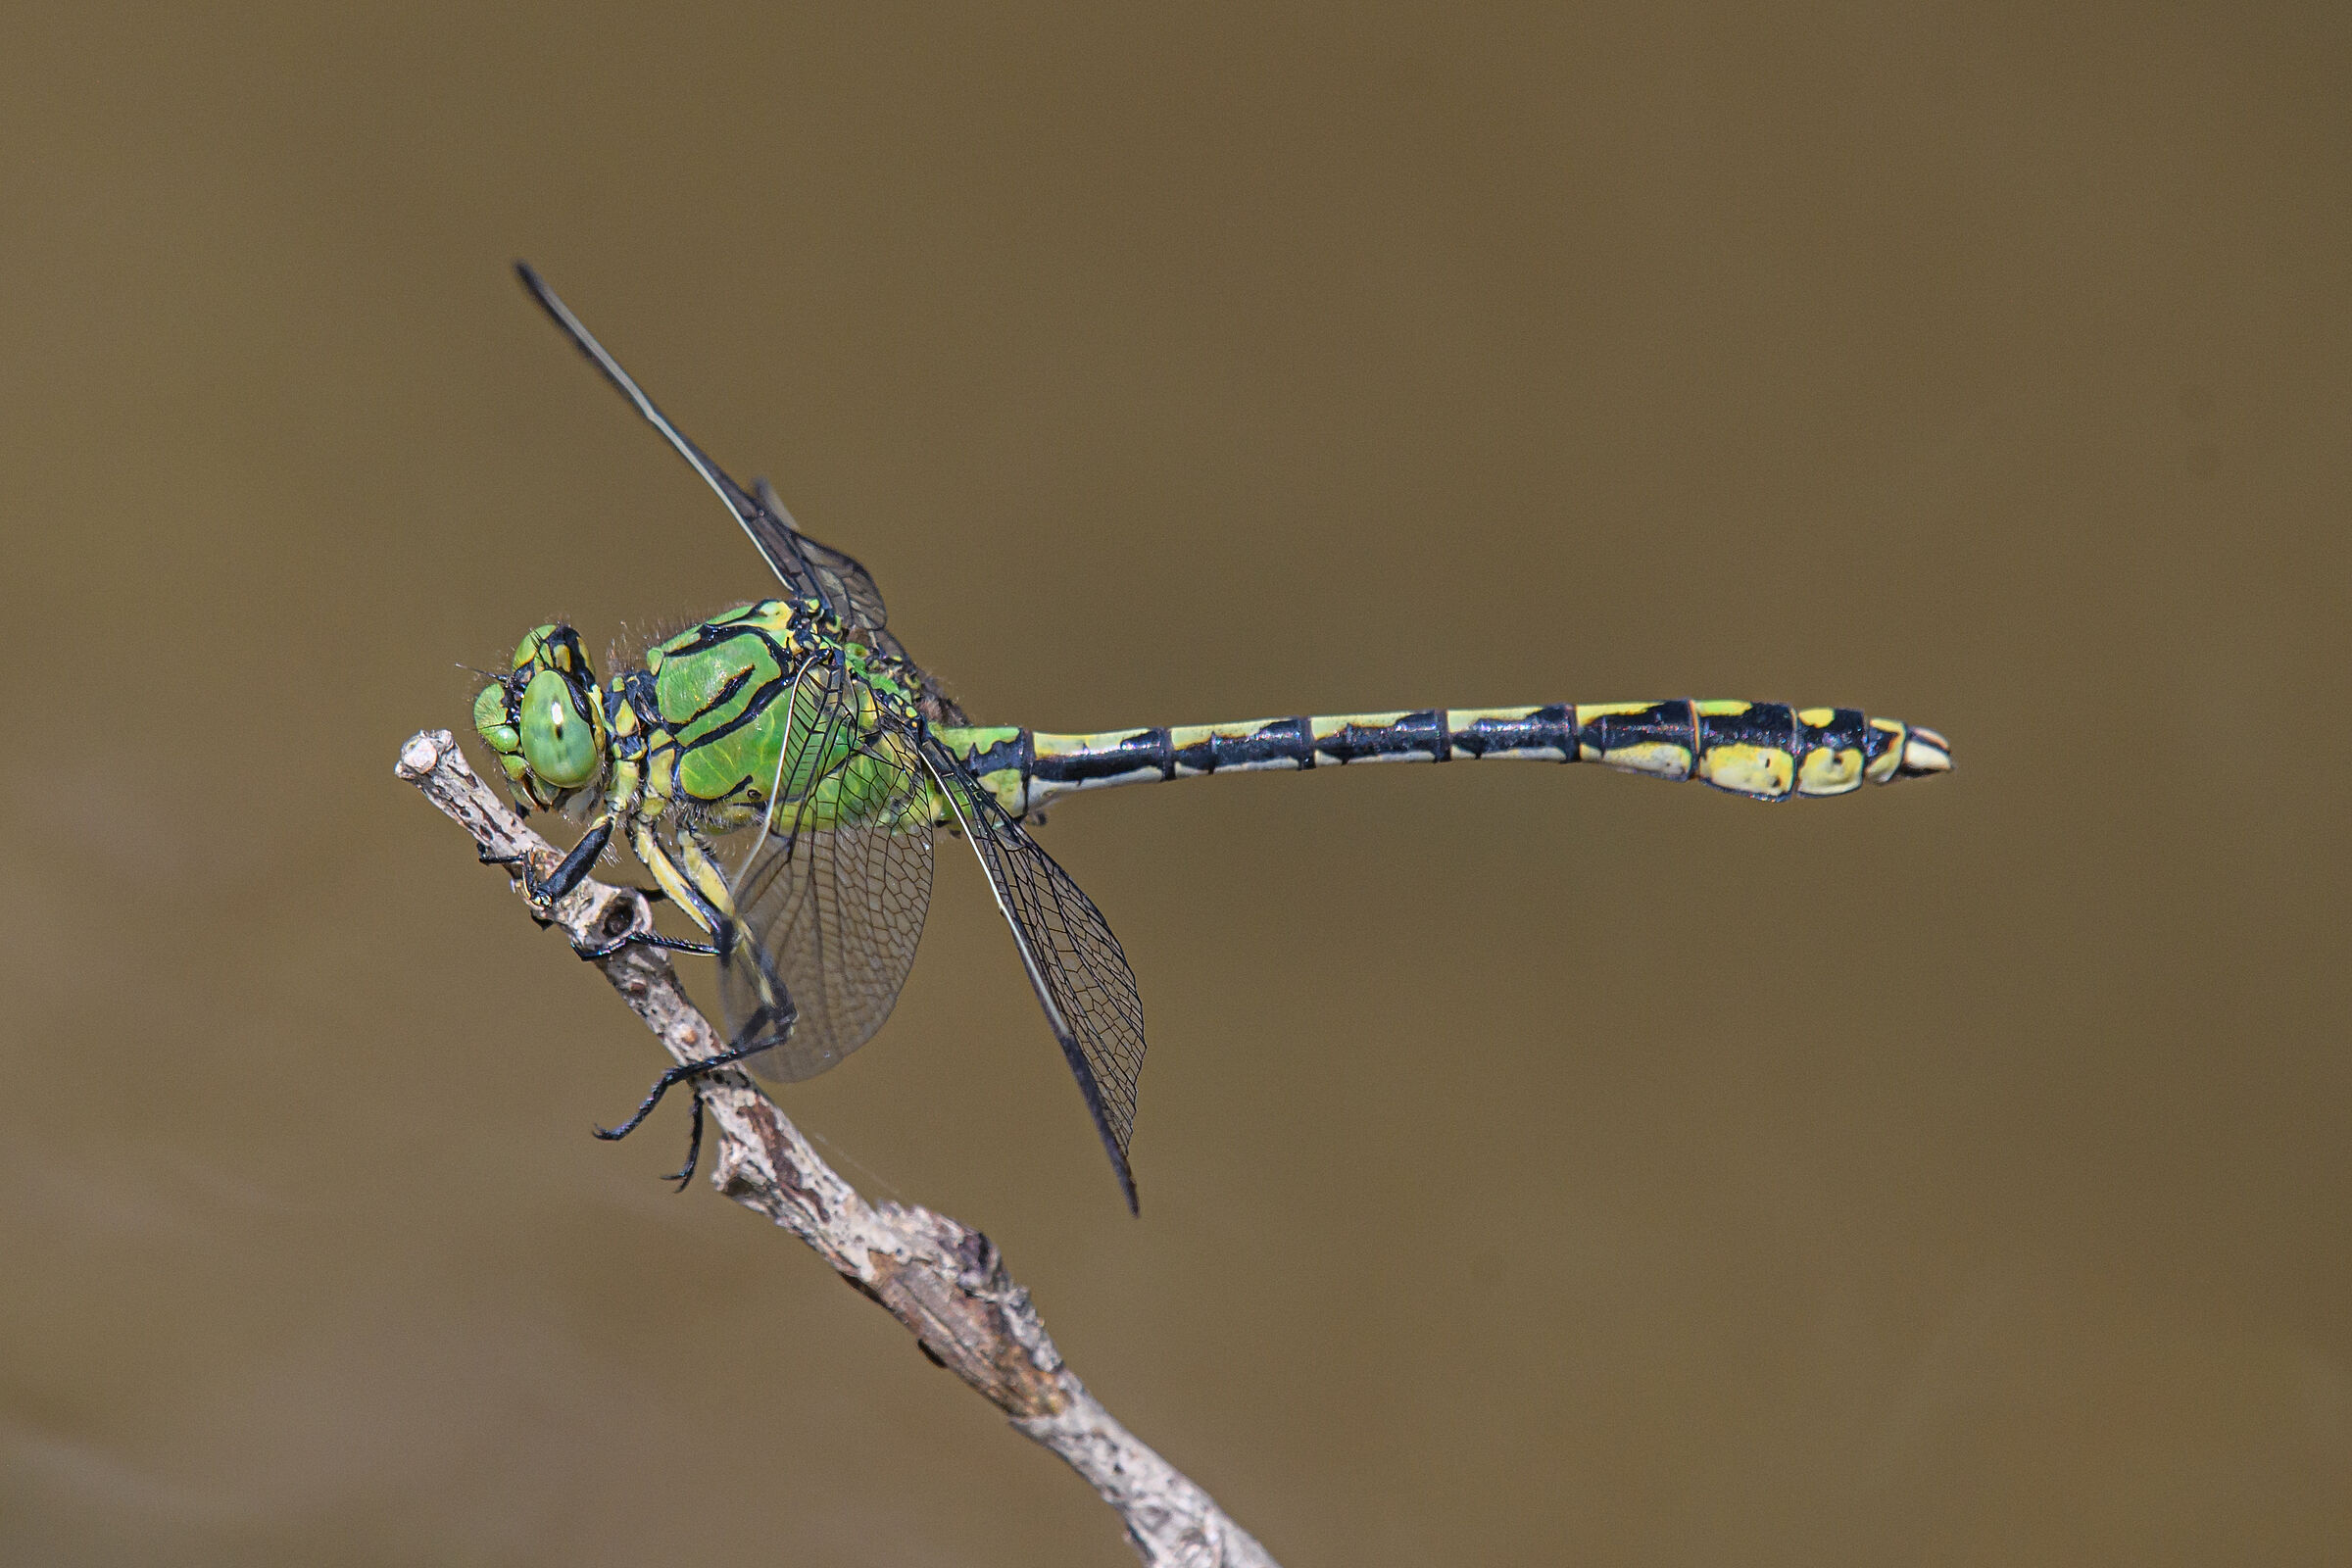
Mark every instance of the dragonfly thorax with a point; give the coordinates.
(762, 702)
(703, 727)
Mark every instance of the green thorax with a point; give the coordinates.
(720, 705)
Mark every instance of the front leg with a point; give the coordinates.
(641, 933)
(569, 875)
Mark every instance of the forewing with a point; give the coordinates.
(849, 587)
(1081, 975)
(833, 897)
(795, 559)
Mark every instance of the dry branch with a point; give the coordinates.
(941, 1279)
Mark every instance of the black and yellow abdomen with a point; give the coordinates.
(1766, 751)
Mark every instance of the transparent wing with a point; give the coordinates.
(1081, 975)
(804, 565)
(832, 898)
(849, 587)
(851, 591)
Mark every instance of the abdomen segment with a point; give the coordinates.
(1767, 751)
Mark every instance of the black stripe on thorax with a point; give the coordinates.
(721, 698)
(638, 691)
(787, 675)
(769, 690)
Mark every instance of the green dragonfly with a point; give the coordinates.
(799, 724)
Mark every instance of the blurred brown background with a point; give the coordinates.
(1538, 1166)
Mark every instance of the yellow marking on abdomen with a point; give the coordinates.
(1828, 772)
(1765, 771)
(1883, 769)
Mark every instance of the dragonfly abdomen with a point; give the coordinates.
(1767, 751)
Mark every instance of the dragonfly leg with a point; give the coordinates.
(685, 1072)
(566, 876)
(702, 893)
(694, 1148)
(702, 868)
(775, 1013)
(638, 931)
(697, 888)
(638, 936)
(569, 875)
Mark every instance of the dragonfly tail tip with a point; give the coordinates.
(1925, 751)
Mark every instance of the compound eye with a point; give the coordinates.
(558, 739)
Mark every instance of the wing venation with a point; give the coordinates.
(1080, 973)
(833, 895)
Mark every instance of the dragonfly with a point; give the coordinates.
(783, 771)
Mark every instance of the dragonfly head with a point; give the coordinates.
(546, 719)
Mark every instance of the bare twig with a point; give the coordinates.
(941, 1279)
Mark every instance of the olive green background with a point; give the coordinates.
(1536, 1165)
